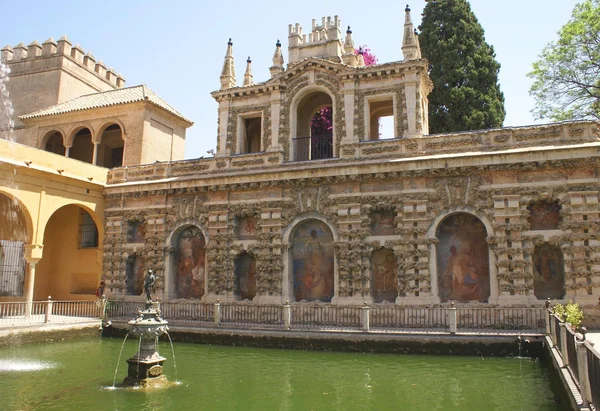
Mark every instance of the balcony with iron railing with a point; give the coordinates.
(313, 147)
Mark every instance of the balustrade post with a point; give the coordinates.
(563, 343)
(48, 312)
(548, 317)
(217, 313)
(452, 316)
(287, 315)
(584, 374)
(365, 317)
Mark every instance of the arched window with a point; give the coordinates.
(314, 127)
(82, 148)
(189, 263)
(110, 149)
(245, 275)
(384, 276)
(462, 259)
(54, 143)
(548, 272)
(312, 252)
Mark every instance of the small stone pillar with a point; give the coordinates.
(217, 313)
(452, 315)
(548, 317)
(287, 315)
(584, 374)
(365, 317)
(48, 312)
(563, 343)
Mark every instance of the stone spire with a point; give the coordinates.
(248, 79)
(410, 47)
(418, 44)
(228, 72)
(349, 57)
(277, 66)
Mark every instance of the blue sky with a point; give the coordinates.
(177, 47)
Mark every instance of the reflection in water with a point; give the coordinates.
(235, 378)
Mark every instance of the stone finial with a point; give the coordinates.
(349, 57)
(77, 53)
(361, 58)
(277, 66)
(49, 47)
(120, 81)
(248, 79)
(63, 46)
(34, 49)
(7, 53)
(100, 69)
(89, 61)
(228, 72)
(410, 46)
(111, 76)
(20, 51)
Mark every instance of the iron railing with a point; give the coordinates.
(390, 317)
(324, 317)
(585, 371)
(593, 360)
(313, 148)
(40, 312)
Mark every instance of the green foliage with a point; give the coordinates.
(570, 313)
(463, 67)
(567, 75)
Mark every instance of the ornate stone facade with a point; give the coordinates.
(374, 196)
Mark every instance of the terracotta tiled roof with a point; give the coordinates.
(107, 98)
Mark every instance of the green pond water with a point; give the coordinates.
(74, 376)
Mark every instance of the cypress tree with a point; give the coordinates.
(463, 67)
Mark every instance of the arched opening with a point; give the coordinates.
(544, 215)
(314, 127)
(189, 269)
(134, 275)
(72, 261)
(384, 276)
(54, 143)
(462, 259)
(312, 255)
(245, 275)
(13, 237)
(111, 147)
(82, 148)
(548, 272)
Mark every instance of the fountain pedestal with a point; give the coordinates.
(146, 366)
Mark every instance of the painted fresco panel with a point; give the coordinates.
(312, 251)
(134, 272)
(382, 223)
(136, 232)
(462, 259)
(548, 272)
(384, 269)
(245, 275)
(247, 228)
(544, 215)
(189, 256)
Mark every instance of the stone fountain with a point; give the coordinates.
(146, 366)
